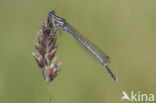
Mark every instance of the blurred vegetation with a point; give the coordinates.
(124, 29)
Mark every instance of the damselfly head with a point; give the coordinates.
(58, 21)
(51, 13)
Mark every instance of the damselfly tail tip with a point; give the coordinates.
(116, 79)
(110, 72)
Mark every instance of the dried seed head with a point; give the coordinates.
(51, 46)
(52, 54)
(40, 60)
(53, 70)
(46, 50)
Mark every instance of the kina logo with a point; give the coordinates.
(137, 96)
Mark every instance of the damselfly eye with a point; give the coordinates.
(50, 14)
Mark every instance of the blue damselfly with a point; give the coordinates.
(98, 53)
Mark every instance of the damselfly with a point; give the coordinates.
(98, 53)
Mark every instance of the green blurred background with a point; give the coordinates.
(124, 29)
